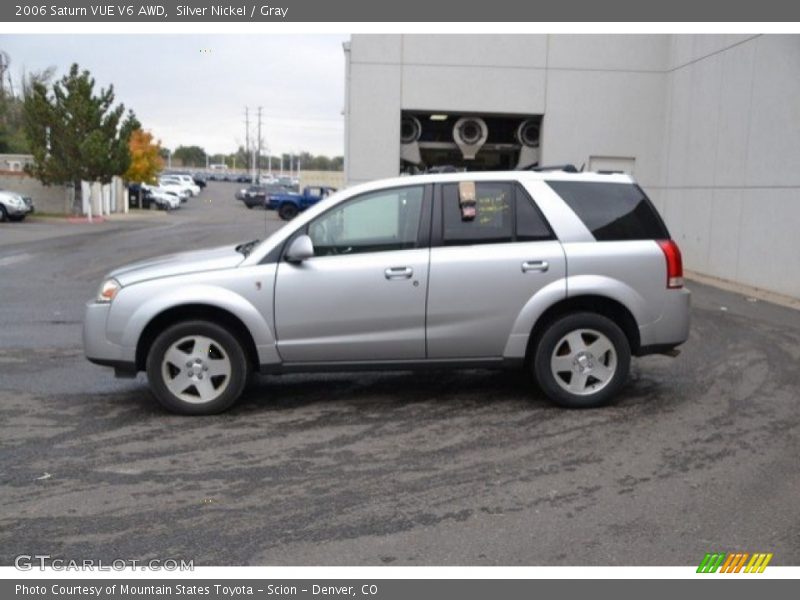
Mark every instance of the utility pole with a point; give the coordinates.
(246, 131)
(258, 156)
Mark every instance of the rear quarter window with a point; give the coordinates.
(612, 211)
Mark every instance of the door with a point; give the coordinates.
(362, 296)
(485, 266)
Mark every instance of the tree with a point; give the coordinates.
(75, 135)
(146, 161)
(190, 156)
(12, 133)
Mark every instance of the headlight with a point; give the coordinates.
(108, 290)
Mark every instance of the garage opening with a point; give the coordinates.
(441, 140)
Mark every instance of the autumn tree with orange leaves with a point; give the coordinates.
(146, 161)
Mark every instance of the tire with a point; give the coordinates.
(581, 360)
(248, 205)
(181, 363)
(287, 212)
(3, 214)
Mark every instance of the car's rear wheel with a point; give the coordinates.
(197, 368)
(287, 212)
(582, 360)
(3, 214)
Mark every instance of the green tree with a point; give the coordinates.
(12, 133)
(190, 156)
(218, 159)
(75, 135)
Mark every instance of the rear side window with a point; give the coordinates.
(531, 224)
(612, 211)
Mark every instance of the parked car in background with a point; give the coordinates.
(198, 179)
(185, 181)
(257, 195)
(142, 196)
(290, 204)
(163, 198)
(290, 183)
(14, 206)
(565, 275)
(138, 196)
(268, 179)
(176, 186)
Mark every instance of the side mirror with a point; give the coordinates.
(300, 249)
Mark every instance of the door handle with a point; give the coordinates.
(535, 265)
(398, 273)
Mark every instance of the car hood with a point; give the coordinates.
(182, 263)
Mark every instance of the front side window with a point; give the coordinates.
(375, 222)
(491, 221)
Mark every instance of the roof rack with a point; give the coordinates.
(441, 169)
(567, 168)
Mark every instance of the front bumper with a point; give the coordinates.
(14, 211)
(96, 346)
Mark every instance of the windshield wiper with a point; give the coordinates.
(247, 247)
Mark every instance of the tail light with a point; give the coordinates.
(674, 263)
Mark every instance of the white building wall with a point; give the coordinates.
(710, 124)
(731, 191)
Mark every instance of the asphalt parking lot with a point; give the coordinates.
(700, 453)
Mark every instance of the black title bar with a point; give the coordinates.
(194, 11)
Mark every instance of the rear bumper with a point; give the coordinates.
(672, 328)
(96, 346)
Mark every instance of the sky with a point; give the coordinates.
(193, 89)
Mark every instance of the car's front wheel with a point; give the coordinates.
(582, 360)
(287, 212)
(197, 368)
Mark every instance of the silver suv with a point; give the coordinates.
(565, 274)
